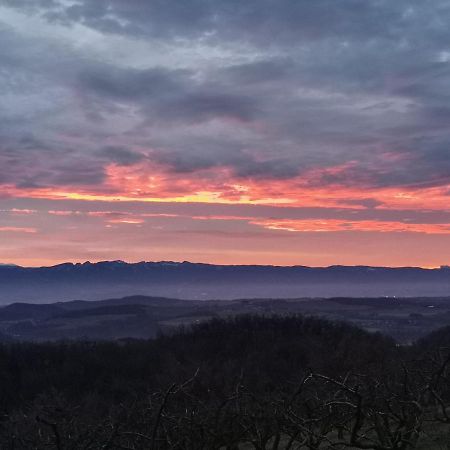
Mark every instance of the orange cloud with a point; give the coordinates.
(63, 213)
(146, 182)
(126, 221)
(311, 225)
(283, 224)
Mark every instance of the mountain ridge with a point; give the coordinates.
(121, 263)
(187, 280)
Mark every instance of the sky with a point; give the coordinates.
(234, 132)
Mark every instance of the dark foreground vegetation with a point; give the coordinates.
(248, 382)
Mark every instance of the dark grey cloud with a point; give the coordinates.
(213, 153)
(264, 71)
(368, 203)
(130, 84)
(201, 106)
(33, 5)
(120, 155)
(77, 173)
(35, 166)
(166, 95)
(263, 21)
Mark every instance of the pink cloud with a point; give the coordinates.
(18, 230)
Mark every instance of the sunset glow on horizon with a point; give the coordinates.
(252, 133)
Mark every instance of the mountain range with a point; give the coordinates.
(186, 280)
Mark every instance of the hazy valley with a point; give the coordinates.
(404, 319)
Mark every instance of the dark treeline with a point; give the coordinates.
(244, 382)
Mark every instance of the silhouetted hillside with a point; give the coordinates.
(247, 382)
(437, 339)
(263, 351)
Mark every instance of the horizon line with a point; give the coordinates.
(86, 262)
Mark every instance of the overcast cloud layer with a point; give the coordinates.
(338, 110)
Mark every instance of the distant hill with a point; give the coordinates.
(185, 280)
(405, 319)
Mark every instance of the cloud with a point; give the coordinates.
(120, 155)
(262, 22)
(324, 95)
(17, 230)
(129, 84)
(166, 95)
(334, 225)
(18, 211)
(369, 203)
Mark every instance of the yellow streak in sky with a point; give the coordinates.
(199, 197)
